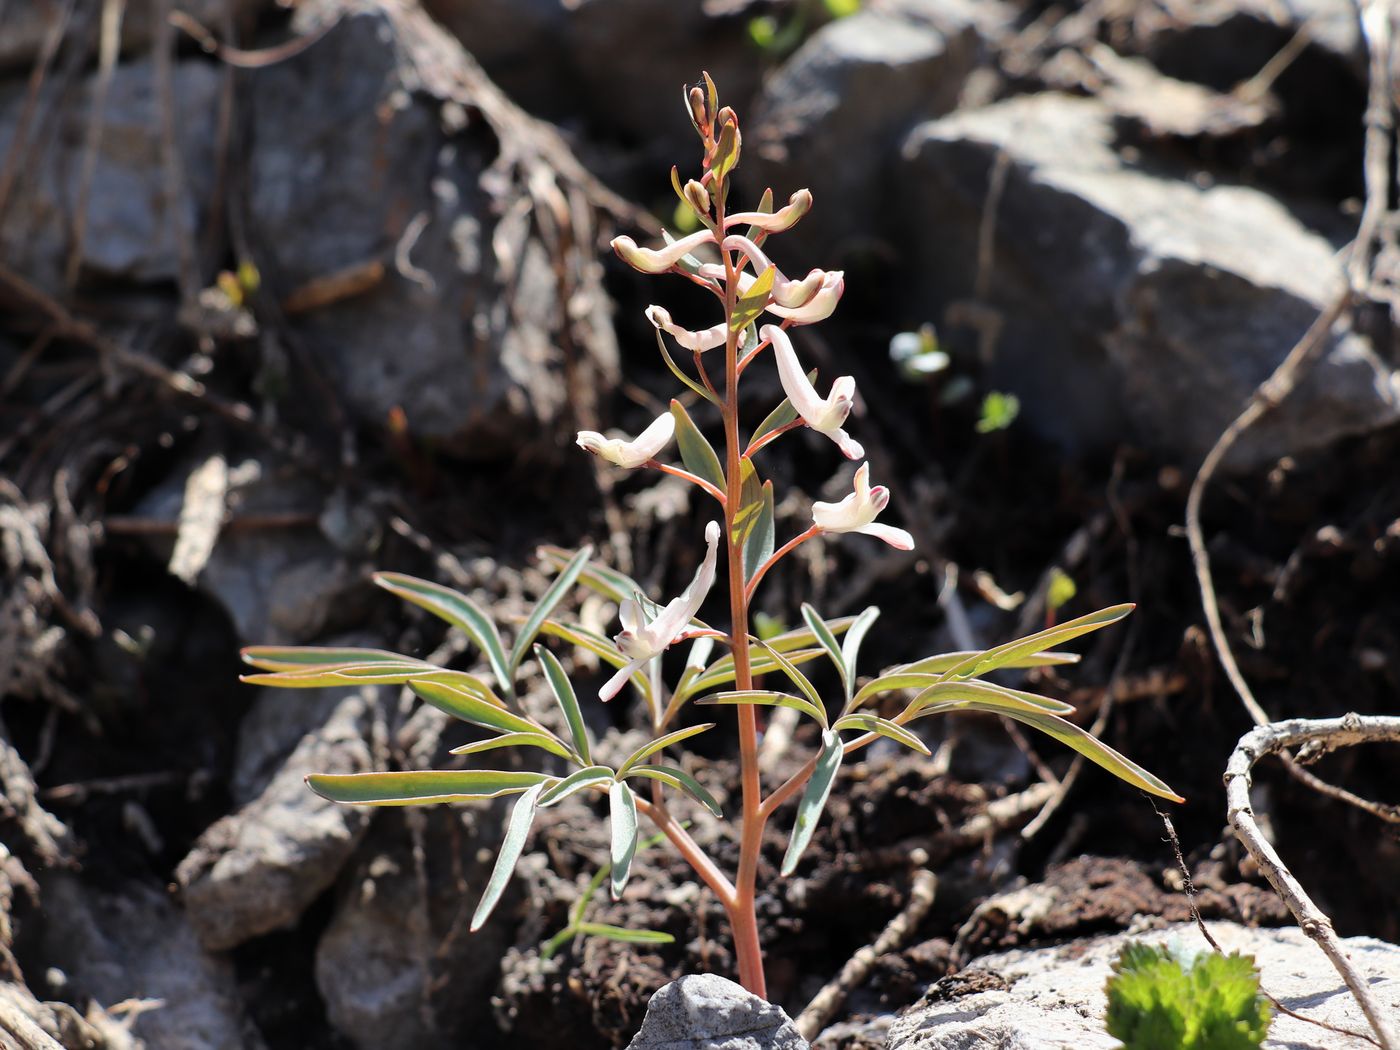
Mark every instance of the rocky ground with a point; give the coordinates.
(336, 298)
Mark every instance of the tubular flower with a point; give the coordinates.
(857, 513)
(659, 260)
(785, 218)
(632, 453)
(705, 339)
(825, 416)
(786, 292)
(820, 306)
(641, 641)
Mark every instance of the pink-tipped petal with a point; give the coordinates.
(798, 205)
(614, 685)
(697, 341)
(849, 446)
(659, 260)
(820, 306)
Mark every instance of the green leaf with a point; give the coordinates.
(869, 723)
(597, 577)
(600, 647)
(659, 744)
(827, 641)
(697, 454)
(384, 673)
(621, 933)
(726, 152)
(750, 306)
(758, 539)
(543, 741)
(680, 374)
(1096, 751)
(722, 671)
(813, 801)
(458, 610)
(767, 698)
(945, 662)
(1061, 591)
(681, 781)
(307, 657)
(948, 695)
(590, 776)
(1158, 997)
(522, 815)
(473, 709)
(551, 598)
(1003, 655)
(850, 649)
(564, 695)
(422, 787)
(779, 417)
(765, 203)
(622, 817)
(795, 676)
(999, 411)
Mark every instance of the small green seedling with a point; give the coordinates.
(1164, 999)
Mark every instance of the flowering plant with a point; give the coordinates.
(726, 257)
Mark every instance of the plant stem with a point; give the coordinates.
(742, 916)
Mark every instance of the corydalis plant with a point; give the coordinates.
(758, 305)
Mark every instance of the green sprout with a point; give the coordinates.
(1160, 999)
(999, 411)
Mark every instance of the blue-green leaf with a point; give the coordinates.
(551, 598)
(697, 453)
(309, 657)
(813, 801)
(871, 723)
(681, 781)
(767, 698)
(543, 741)
(421, 787)
(590, 776)
(563, 691)
(827, 641)
(473, 709)
(522, 815)
(458, 610)
(660, 743)
(622, 817)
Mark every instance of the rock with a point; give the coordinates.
(258, 869)
(706, 1012)
(131, 942)
(1053, 998)
(397, 967)
(132, 231)
(1119, 302)
(832, 116)
(283, 580)
(372, 194)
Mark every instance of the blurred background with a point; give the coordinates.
(293, 292)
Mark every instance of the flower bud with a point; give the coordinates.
(697, 197)
(697, 108)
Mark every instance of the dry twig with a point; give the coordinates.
(1275, 738)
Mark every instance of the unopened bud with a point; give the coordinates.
(697, 107)
(698, 197)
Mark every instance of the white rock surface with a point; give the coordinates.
(706, 1012)
(1054, 997)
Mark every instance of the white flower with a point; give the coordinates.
(820, 306)
(784, 218)
(825, 416)
(705, 339)
(640, 641)
(857, 513)
(659, 260)
(786, 293)
(632, 453)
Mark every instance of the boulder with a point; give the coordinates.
(1121, 302)
(132, 229)
(258, 869)
(131, 942)
(418, 286)
(1053, 998)
(832, 116)
(707, 1012)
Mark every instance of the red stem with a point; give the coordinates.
(677, 472)
(772, 435)
(777, 556)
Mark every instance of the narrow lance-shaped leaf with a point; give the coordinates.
(794, 675)
(564, 695)
(522, 815)
(850, 646)
(383, 673)
(813, 801)
(622, 817)
(752, 303)
(1095, 750)
(1002, 655)
(827, 641)
(759, 663)
(473, 709)
(623, 934)
(870, 723)
(681, 781)
(660, 744)
(759, 542)
(679, 373)
(601, 647)
(543, 741)
(421, 787)
(697, 454)
(780, 416)
(949, 694)
(767, 698)
(943, 662)
(590, 776)
(765, 207)
(309, 657)
(458, 610)
(596, 576)
(551, 598)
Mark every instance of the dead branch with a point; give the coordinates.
(1276, 738)
(827, 1001)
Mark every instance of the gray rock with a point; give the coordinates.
(133, 943)
(832, 116)
(258, 869)
(1122, 302)
(356, 164)
(132, 228)
(707, 1012)
(1053, 998)
(282, 583)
